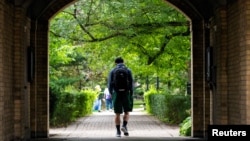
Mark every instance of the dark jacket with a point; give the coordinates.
(110, 80)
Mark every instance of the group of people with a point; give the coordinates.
(104, 96)
(119, 100)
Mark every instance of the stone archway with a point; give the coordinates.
(42, 12)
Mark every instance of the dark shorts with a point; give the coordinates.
(122, 102)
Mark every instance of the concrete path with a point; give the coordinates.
(100, 127)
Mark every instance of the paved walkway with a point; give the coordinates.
(100, 127)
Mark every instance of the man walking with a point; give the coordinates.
(120, 85)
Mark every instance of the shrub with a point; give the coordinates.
(71, 105)
(167, 107)
(185, 127)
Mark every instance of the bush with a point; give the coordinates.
(167, 107)
(70, 106)
(148, 98)
(185, 127)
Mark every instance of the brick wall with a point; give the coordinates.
(40, 87)
(234, 64)
(230, 38)
(6, 72)
(14, 93)
(197, 79)
(21, 86)
(219, 41)
(238, 56)
(24, 106)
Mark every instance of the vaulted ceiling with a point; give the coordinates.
(44, 9)
(198, 8)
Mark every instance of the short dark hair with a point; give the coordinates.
(118, 60)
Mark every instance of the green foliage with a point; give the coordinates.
(70, 105)
(177, 106)
(85, 37)
(148, 98)
(185, 127)
(139, 91)
(167, 107)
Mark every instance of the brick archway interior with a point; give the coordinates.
(39, 101)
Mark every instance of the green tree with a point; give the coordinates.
(152, 36)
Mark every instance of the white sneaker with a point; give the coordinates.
(125, 131)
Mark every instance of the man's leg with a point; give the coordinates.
(125, 122)
(107, 104)
(117, 123)
(126, 116)
(111, 104)
(99, 105)
(127, 109)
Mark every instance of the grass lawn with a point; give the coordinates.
(138, 103)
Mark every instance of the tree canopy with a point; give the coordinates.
(86, 37)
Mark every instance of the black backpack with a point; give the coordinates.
(121, 81)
